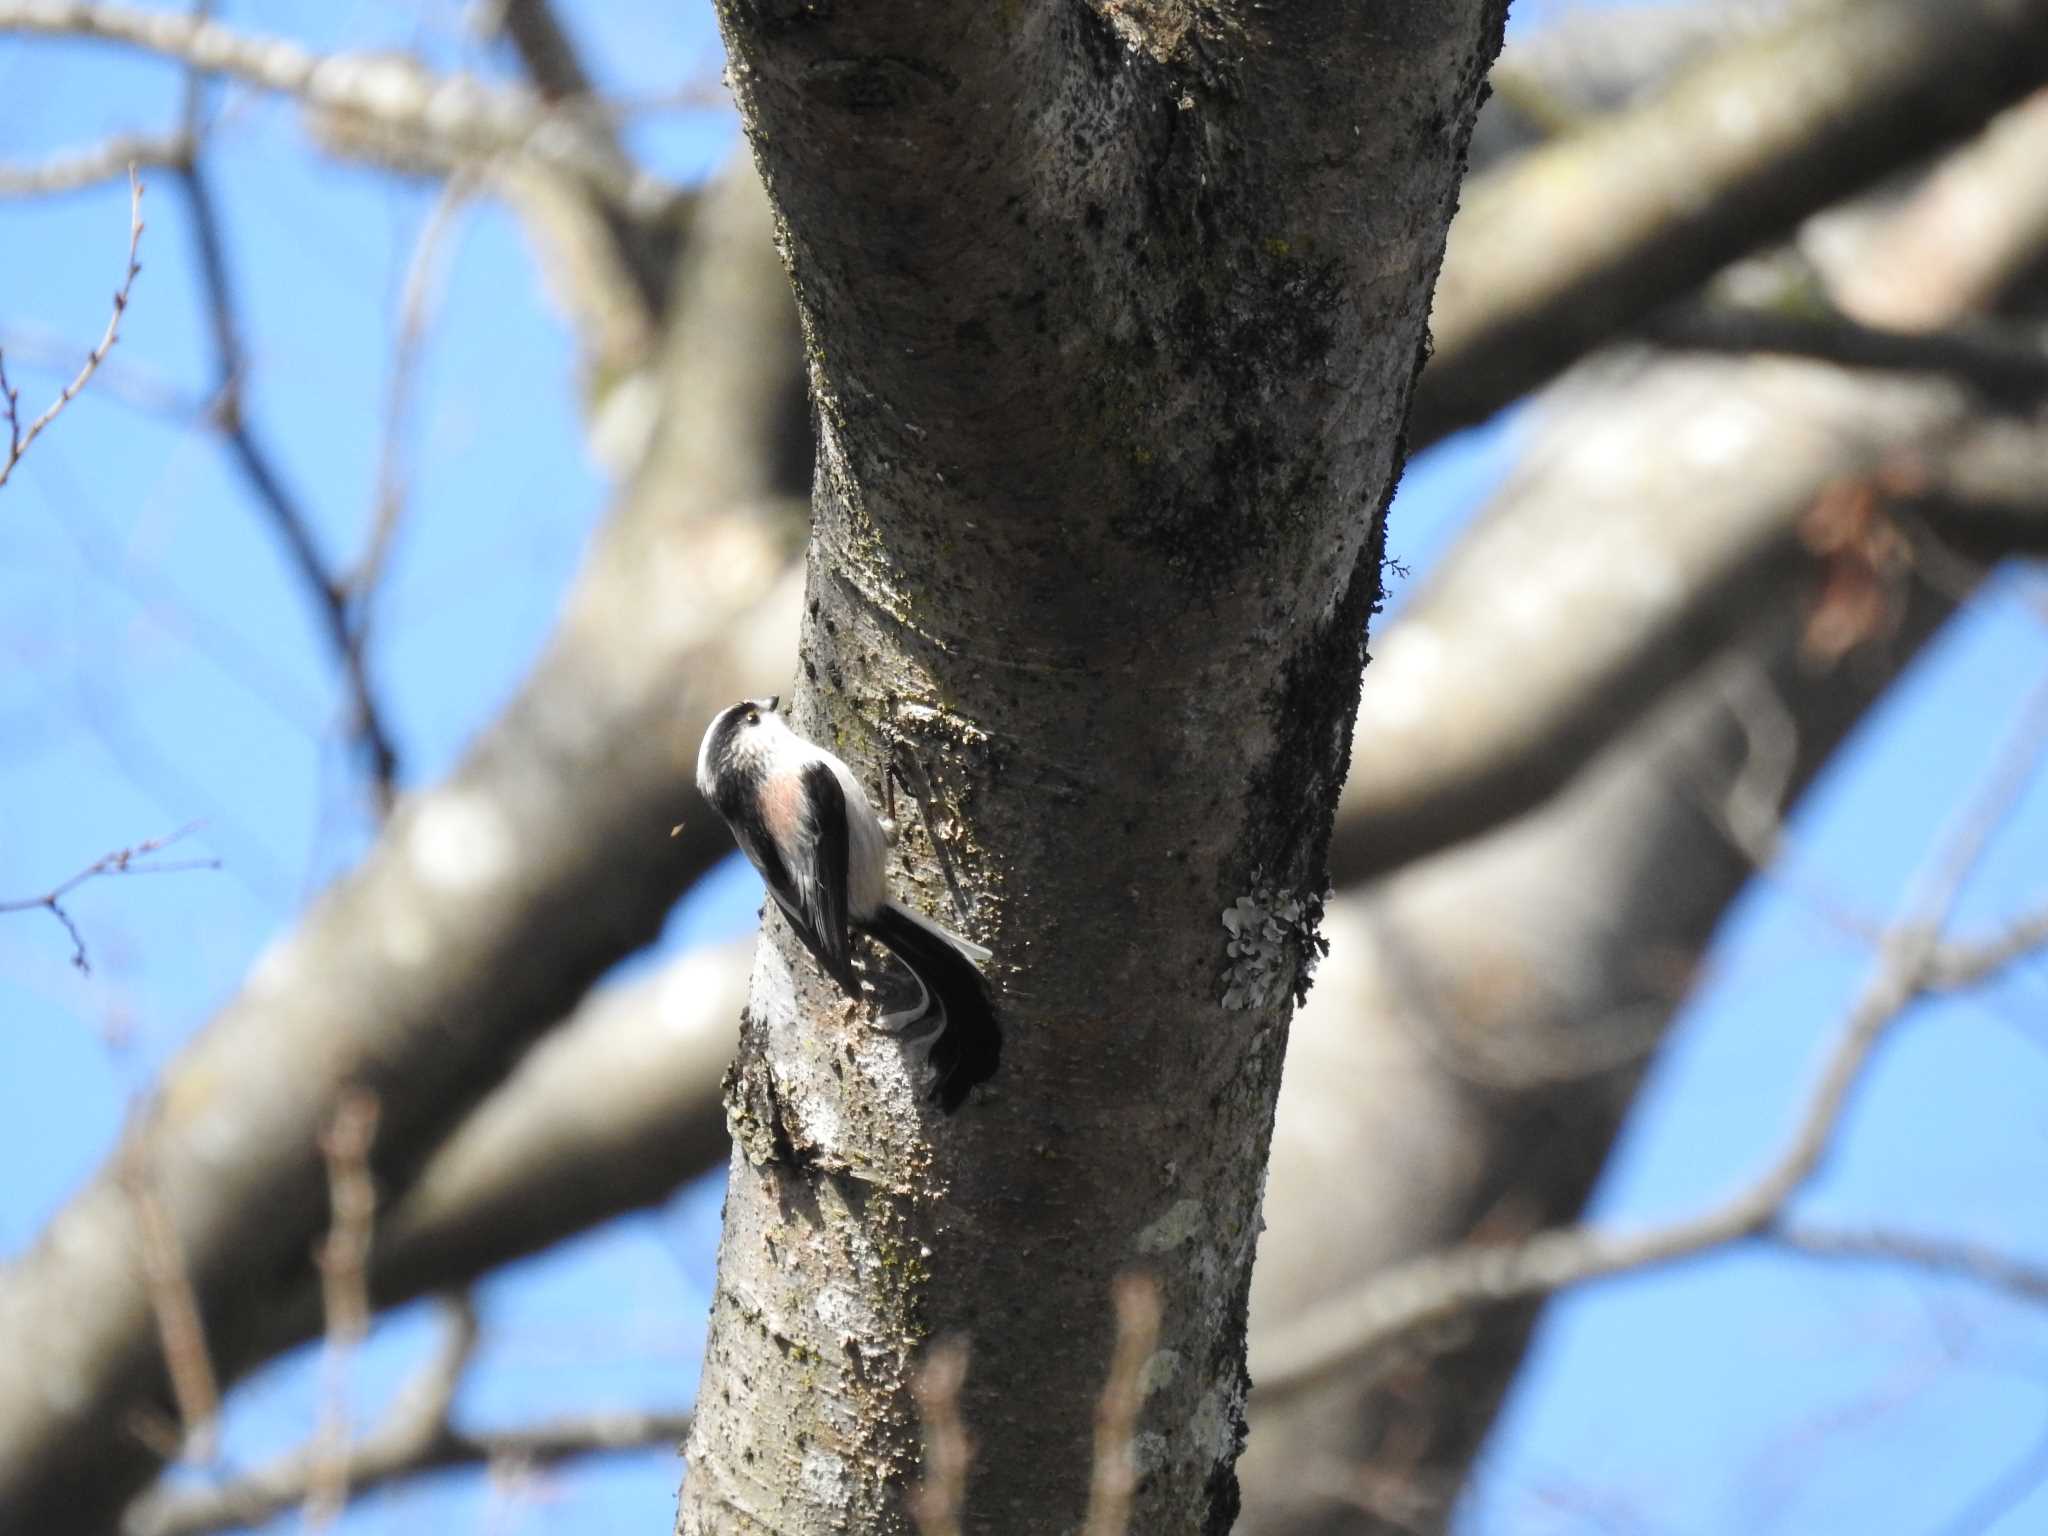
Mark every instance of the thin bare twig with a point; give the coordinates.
(110, 159)
(1977, 1262)
(1136, 1298)
(1912, 962)
(19, 437)
(415, 298)
(1749, 807)
(936, 1502)
(122, 861)
(416, 1438)
(1956, 967)
(253, 459)
(378, 1462)
(181, 1332)
(344, 1260)
(135, 385)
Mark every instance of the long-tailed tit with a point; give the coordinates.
(802, 818)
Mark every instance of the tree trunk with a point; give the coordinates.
(1113, 313)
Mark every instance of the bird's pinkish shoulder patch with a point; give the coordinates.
(782, 808)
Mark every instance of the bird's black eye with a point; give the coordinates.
(753, 717)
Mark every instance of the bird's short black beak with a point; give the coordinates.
(774, 702)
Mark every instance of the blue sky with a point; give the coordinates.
(161, 667)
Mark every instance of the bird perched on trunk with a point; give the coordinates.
(804, 822)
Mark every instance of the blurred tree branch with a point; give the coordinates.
(1978, 1263)
(417, 1436)
(1589, 235)
(503, 892)
(181, 1332)
(1436, 1288)
(1913, 961)
(1487, 1008)
(359, 588)
(1448, 754)
(1814, 107)
(2004, 372)
(612, 1111)
(1818, 103)
(258, 469)
(1585, 63)
(1984, 492)
(464, 116)
(1486, 1015)
(643, 249)
(106, 161)
(343, 1259)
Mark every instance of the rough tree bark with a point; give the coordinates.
(1113, 315)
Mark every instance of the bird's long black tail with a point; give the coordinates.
(968, 1043)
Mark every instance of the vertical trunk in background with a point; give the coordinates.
(1112, 312)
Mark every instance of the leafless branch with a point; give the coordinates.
(415, 298)
(181, 1333)
(252, 458)
(1136, 1299)
(527, 874)
(122, 861)
(619, 268)
(2003, 372)
(1911, 963)
(1750, 801)
(545, 48)
(1966, 234)
(1583, 63)
(936, 1502)
(1482, 752)
(344, 1262)
(19, 437)
(1977, 1262)
(533, 1165)
(1554, 253)
(1985, 493)
(1957, 967)
(416, 1438)
(135, 385)
(382, 1460)
(471, 118)
(108, 160)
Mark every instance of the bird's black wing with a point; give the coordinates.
(821, 879)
